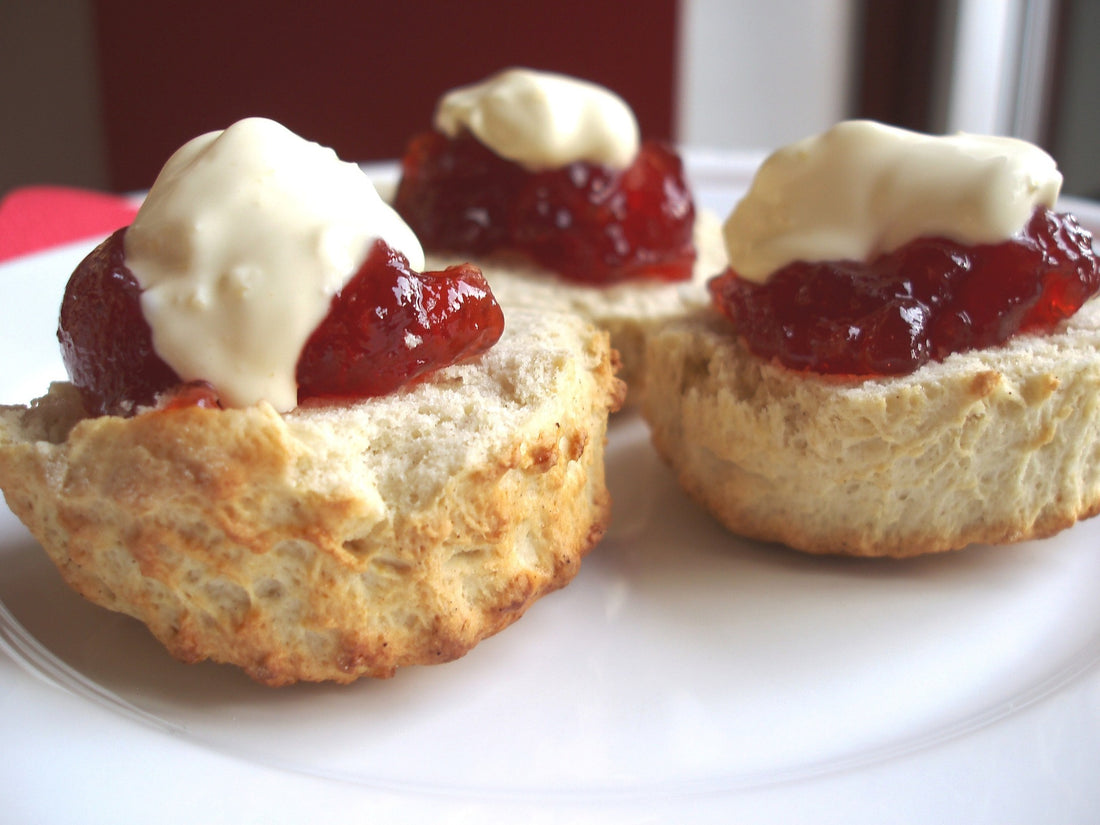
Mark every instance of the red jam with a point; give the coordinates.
(927, 299)
(586, 222)
(388, 327)
(106, 343)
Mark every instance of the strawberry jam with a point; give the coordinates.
(106, 343)
(387, 327)
(587, 222)
(923, 301)
(390, 325)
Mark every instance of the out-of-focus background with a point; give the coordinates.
(98, 93)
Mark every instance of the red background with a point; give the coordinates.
(360, 77)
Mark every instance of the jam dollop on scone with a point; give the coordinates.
(551, 167)
(965, 255)
(286, 446)
(544, 181)
(901, 355)
(198, 289)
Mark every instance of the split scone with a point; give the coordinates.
(332, 541)
(629, 311)
(913, 389)
(288, 447)
(544, 182)
(992, 446)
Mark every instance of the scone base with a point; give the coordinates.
(330, 543)
(990, 447)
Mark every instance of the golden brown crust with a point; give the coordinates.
(331, 543)
(992, 446)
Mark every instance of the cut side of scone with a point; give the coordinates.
(628, 310)
(337, 540)
(990, 446)
(545, 183)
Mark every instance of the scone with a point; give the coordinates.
(989, 446)
(629, 311)
(334, 541)
(884, 379)
(287, 446)
(542, 181)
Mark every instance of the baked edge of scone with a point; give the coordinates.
(629, 310)
(991, 446)
(265, 541)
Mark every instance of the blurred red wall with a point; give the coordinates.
(360, 77)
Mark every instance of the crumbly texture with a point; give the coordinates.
(629, 311)
(990, 446)
(331, 542)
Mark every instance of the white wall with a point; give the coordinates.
(761, 73)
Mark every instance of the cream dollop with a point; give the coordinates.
(242, 241)
(862, 189)
(542, 120)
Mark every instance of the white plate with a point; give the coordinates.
(685, 675)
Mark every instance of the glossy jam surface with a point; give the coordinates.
(586, 222)
(388, 327)
(106, 343)
(924, 301)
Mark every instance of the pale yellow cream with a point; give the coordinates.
(862, 189)
(542, 120)
(239, 247)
